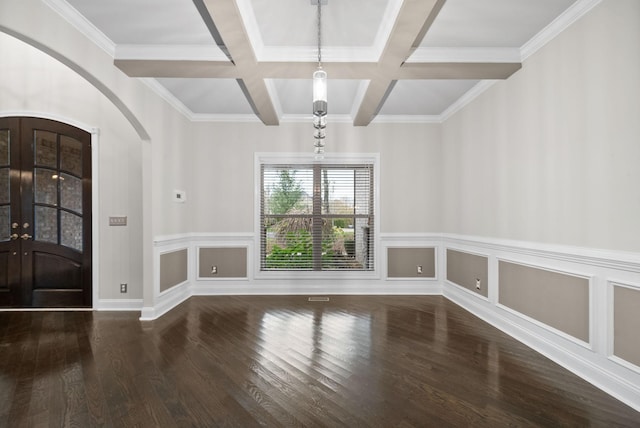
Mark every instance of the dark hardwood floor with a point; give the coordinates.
(284, 361)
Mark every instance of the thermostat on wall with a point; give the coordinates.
(179, 196)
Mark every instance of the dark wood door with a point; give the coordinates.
(45, 214)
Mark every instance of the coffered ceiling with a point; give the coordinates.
(387, 60)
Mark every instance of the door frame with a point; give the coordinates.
(95, 202)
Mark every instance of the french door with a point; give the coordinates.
(45, 214)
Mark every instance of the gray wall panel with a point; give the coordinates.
(173, 268)
(231, 262)
(464, 268)
(403, 262)
(556, 299)
(626, 330)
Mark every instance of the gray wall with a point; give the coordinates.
(464, 268)
(403, 262)
(626, 330)
(230, 262)
(556, 299)
(173, 268)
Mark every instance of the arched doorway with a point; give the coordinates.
(45, 214)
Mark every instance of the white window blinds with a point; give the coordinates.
(316, 217)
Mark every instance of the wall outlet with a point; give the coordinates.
(477, 283)
(123, 288)
(419, 269)
(214, 269)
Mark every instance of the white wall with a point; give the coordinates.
(222, 196)
(551, 154)
(143, 141)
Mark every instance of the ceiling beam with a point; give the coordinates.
(413, 21)
(303, 70)
(458, 70)
(176, 68)
(232, 32)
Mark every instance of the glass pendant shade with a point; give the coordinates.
(320, 92)
(319, 122)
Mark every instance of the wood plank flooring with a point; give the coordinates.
(283, 361)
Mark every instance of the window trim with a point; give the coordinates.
(308, 159)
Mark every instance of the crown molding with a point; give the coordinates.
(82, 24)
(557, 26)
(170, 52)
(465, 99)
(166, 95)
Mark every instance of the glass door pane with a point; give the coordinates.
(5, 195)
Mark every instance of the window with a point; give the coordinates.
(317, 216)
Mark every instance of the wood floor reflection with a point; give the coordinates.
(284, 361)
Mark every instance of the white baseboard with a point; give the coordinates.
(119, 305)
(166, 301)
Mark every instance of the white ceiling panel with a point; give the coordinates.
(153, 22)
(491, 23)
(209, 96)
(294, 23)
(424, 97)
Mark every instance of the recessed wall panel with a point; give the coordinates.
(173, 268)
(553, 298)
(626, 324)
(465, 269)
(404, 262)
(227, 262)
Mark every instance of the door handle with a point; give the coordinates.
(14, 236)
(26, 236)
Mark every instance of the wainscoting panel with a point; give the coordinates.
(173, 268)
(225, 262)
(403, 262)
(626, 323)
(467, 270)
(556, 299)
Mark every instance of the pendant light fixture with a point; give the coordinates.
(319, 90)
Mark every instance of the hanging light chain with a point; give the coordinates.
(319, 33)
(319, 94)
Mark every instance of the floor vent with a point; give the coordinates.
(318, 299)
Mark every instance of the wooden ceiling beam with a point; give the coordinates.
(176, 68)
(413, 21)
(458, 70)
(231, 29)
